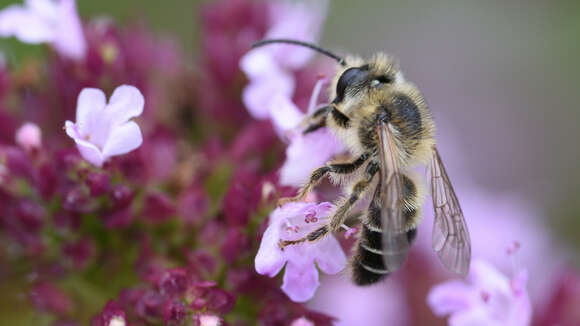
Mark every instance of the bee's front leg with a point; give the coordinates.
(316, 120)
(317, 175)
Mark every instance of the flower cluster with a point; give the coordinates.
(156, 203)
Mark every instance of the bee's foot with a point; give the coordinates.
(284, 243)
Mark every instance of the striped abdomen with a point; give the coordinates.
(367, 263)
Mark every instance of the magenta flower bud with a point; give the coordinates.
(119, 219)
(193, 205)
(79, 252)
(67, 220)
(47, 180)
(201, 261)
(121, 196)
(98, 182)
(174, 313)
(198, 303)
(48, 298)
(241, 199)
(173, 282)
(235, 243)
(112, 315)
(220, 301)
(30, 215)
(158, 207)
(17, 162)
(76, 199)
(150, 306)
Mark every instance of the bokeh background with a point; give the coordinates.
(501, 78)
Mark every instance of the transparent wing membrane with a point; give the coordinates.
(450, 235)
(395, 242)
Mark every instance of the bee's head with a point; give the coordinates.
(361, 78)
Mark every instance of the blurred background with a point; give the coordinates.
(501, 78)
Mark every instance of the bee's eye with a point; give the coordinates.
(350, 78)
(377, 82)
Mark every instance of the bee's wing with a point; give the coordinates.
(395, 241)
(450, 235)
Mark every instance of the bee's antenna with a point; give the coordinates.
(304, 44)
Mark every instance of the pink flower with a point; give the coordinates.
(208, 320)
(489, 298)
(505, 217)
(305, 152)
(302, 322)
(104, 130)
(270, 68)
(29, 136)
(291, 222)
(46, 21)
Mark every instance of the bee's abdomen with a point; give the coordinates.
(367, 264)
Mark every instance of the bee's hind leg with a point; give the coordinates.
(317, 175)
(340, 214)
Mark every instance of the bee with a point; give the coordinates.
(388, 129)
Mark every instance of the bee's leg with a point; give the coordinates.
(341, 213)
(317, 120)
(339, 117)
(319, 173)
(358, 189)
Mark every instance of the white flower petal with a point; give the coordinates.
(69, 37)
(126, 102)
(258, 63)
(330, 258)
(269, 259)
(90, 105)
(27, 26)
(300, 281)
(305, 153)
(90, 152)
(450, 297)
(123, 139)
(45, 8)
(259, 92)
(284, 114)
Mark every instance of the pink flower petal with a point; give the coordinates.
(300, 281)
(125, 103)
(45, 8)
(450, 297)
(258, 63)
(488, 277)
(299, 21)
(284, 114)
(259, 93)
(269, 260)
(300, 158)
(302, 322)
(69, 40)
(26, 25)
(123, 139)
(29, 136)
(330, 257)
(90, 152)
(90, 105)
(475, 317)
